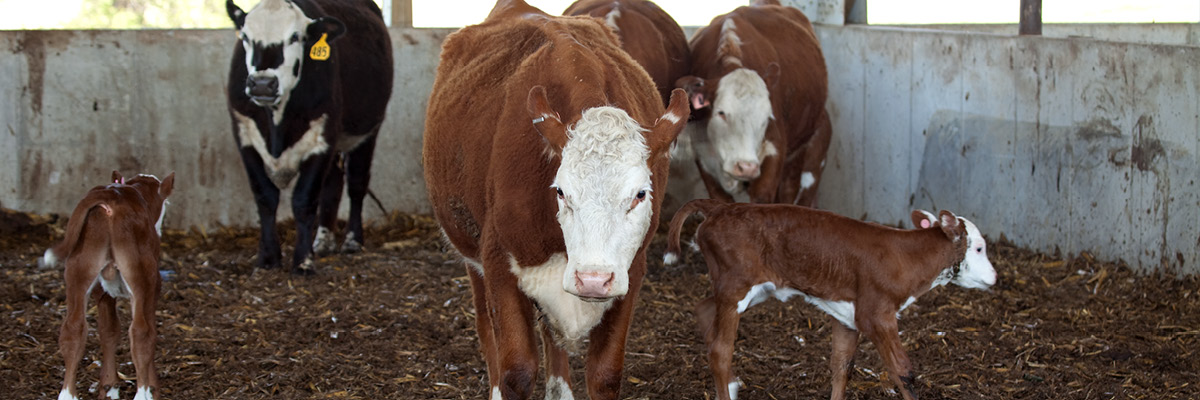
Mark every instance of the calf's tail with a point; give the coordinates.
(704, 206)
(75, 226)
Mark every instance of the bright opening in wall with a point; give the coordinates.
(458, 13)
(897, 12)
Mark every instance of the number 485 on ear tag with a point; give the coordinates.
(320, 50)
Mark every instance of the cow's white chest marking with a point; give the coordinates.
(572, 317)
(283, 170)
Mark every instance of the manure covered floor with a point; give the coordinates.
(397, 322)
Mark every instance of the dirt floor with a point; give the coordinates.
(396, 322)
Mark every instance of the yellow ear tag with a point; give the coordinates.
(320, 50)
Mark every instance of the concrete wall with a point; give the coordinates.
(1172, 33)
(75, 105)
(1057, 144)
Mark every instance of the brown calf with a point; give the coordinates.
(860, 273)
(111, 249)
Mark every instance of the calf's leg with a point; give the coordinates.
(845, 342)
(110, 333)
(718, 322)
(886, 336)
(72, 336)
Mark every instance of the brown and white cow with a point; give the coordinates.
(309, 84)
(111, 248)
(757, 90)
(647, 33)
(861, 274)
(546, 151)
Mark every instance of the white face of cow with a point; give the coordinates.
(738, 126)
(604, 208)
(976, 271)
(273, 37)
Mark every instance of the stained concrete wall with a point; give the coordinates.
(75, 105)
(1064, 145)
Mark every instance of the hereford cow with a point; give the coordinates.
(757, 91)
(546, 150)
(111, 248)
(647, 33)
(861, 274)
(308, 88)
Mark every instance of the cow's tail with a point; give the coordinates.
(75, 227)
(704, 206)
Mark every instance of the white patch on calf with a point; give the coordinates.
(670, 258)
(113, 393)
(143, 393)
(48, 260)
(66, 395)
(757, 294)
(558, 389)
(284, 169)
(733, 388)
(496, 394)
(843, 311)
(603, 170)
(976, 271)
(739, 135)
(572, 317)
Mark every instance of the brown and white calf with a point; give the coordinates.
(546, 150)
(758, 88)
(111, 248)
(860, 273)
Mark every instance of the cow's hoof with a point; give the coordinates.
(324, 243)
(351, 245)
(308, 267)
(267, 262)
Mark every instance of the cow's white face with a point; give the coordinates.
(604, 201)
(738, 126)
(274, 37)
(976, 271)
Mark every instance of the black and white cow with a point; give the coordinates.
(308, 89)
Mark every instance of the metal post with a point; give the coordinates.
(1031, 17)
(402, 14)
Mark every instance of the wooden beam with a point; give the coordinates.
(402, 14)
(1031, 17)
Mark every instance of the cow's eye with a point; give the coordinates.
(295, 38)
(721, 114)
(641, 195)
(560, 193)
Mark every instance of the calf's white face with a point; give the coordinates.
(738, 126)
(604, 209)
(976, 271)
(273, 36)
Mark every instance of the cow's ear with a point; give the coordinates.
(670, 124)
(326, 25)
(771, 75)
(545, 120)
(167, 186)
(117, 178)
(235, 14)
(923, 219)
(699, 95)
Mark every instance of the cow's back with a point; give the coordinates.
(648, 34)
(482, 155)
(772, 34)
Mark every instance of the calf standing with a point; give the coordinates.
(860, 273)
(112, 249)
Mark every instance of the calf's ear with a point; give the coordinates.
(167, 186)
(327, 25)
(545, 120)
(117, 178)
(235, 14)
(950, 225)
(669, 125)
(923, 219)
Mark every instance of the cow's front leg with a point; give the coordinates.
(331, 198)
(266, 197)
(606, 350)
(305, 198)
(358, 179)
(558, 367)
(511, 313)
(712, 186)
(763, 188)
